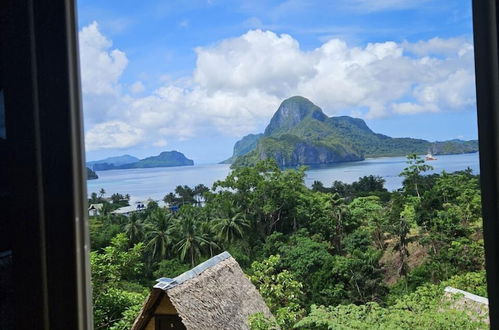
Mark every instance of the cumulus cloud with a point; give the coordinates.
(239, 82)
(102, 67)
(112, 134)
(439, 46)
(258, 59)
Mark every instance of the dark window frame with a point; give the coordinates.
(43, 192)
(485, 32)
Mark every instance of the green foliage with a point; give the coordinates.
(157, 233)
(259, 321)
(423, 309)
(474, 282)
(355, 278)
(129, 315)
(116, 263)
(388, 253)
(230, 225)
(370, 185)
(115, 309)
(102, 229)
(189, 236)
(171, 268)
(281, 292)
(412, 173)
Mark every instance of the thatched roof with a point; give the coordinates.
(214, 295)
(475, 306)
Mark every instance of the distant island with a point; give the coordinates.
(91, 175)
(103, 164)
(299, 133)
(164, 159)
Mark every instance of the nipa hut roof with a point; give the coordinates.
(213, 295)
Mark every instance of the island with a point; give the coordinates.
(91, 175)
(299, 133)
(164, 159)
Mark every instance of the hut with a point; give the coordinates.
(95, 209)
(213, 295)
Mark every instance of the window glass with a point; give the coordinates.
(329, 147)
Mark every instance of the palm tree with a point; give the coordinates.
(158, 233)
(207, 232)
(134, 229)
(229, 228)
(338, 211)
(401, 246)
(199, 192)
(189, 238)
(170, 199)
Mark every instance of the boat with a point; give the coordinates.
(429, 156)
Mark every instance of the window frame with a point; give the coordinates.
(45, 202)
(485, 32)
(44, 191)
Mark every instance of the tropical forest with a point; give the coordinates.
(330, 256)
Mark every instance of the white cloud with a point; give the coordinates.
(102, 67)
(160, 143)
(238, 83)
(458, 46)
(112, 134)
(405, 108)
(137, 87)
(258, 59)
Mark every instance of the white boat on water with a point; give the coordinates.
(429, 156)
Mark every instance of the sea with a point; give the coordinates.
(155, 183)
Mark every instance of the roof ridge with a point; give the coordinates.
(166, 284)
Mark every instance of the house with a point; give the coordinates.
(213, 295)
(127, 210)
(94, 209)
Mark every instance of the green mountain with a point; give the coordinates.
(164, 159)
(299, 133)
(111, 162)
(243, 146)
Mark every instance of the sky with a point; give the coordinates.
(196, 76)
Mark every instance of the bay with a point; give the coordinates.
(155, 183)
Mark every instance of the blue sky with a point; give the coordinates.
(195, 76)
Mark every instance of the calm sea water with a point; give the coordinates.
(157, 182)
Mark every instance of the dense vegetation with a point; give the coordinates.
(345, 256)
(300, 133)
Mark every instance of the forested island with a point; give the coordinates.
(338, 256)
(91, 175)
(164, 159)
(299, 133)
